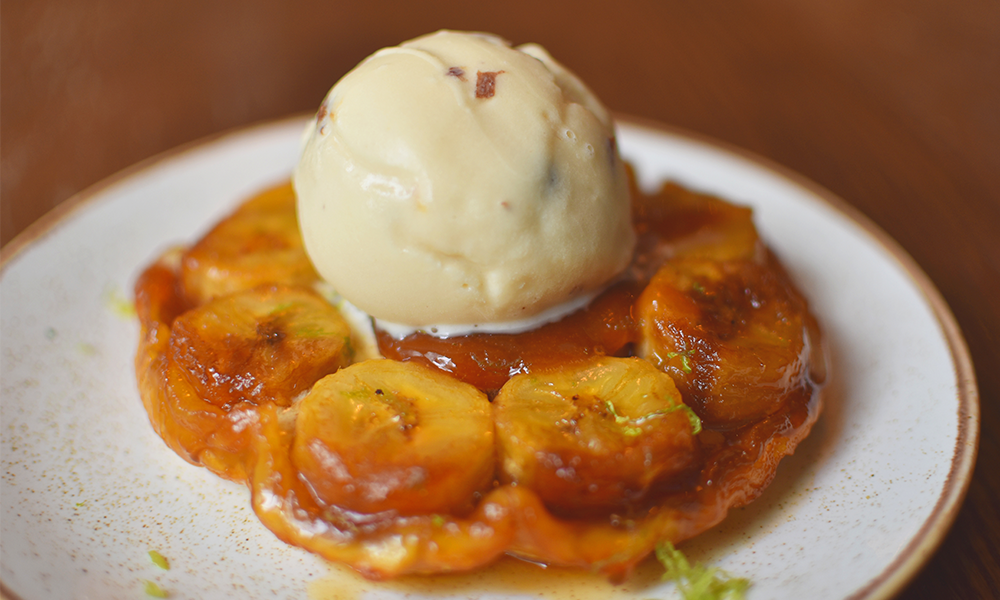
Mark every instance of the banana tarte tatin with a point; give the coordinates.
(641, 418)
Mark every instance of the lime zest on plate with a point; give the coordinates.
(119, 304)
(154, 590)
(159, 560)
(698, 582)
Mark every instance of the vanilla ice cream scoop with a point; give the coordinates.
(457, 180)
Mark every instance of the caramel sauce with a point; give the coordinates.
(507, 576)
(604, 328)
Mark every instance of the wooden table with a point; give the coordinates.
(894, 106)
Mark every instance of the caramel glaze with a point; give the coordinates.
(664, 316)
(606, 327)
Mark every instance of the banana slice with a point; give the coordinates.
(268, 344)
(676, 222)
(259, 243)
(596, 435)
(383, 435)
(735, 336)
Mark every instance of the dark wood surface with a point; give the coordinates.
(892, 105)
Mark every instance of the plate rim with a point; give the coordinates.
(921, 546)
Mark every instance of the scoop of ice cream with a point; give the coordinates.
(457, 180)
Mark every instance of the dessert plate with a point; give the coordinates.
(88, 489)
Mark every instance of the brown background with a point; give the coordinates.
(892, 105)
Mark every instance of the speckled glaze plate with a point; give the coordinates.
(88, 489)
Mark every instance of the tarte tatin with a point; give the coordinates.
(643, 417)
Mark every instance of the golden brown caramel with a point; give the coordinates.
(487, 361)
(596, 460)
(258, 244)
(197, 430)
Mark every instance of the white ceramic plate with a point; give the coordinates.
(88, 488)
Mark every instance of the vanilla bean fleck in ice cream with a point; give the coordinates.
(457, 180)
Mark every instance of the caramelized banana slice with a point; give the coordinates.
(735, 336)
(259, 243)
(678, 222)
(594, 435)
(379, 545)
(384, 435)
(268, 344)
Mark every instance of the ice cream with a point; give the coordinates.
(455, 180)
